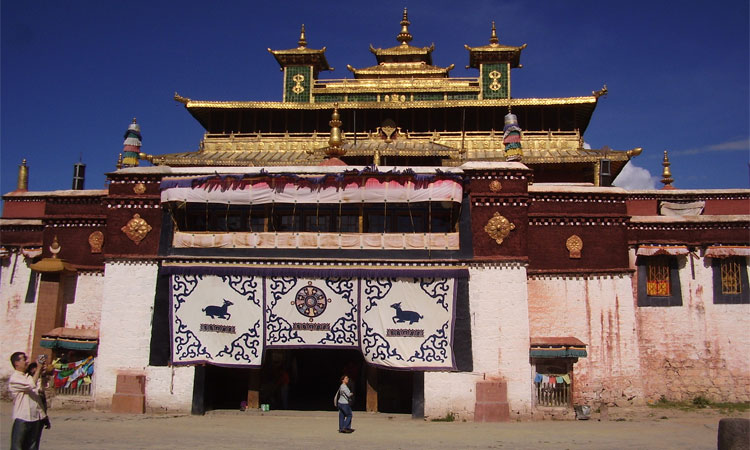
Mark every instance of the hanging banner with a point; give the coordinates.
(217, 319)
(229, 318)
(311, 312)
(407, 323)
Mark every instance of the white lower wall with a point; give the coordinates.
(18, 317)
(500, 344)
(86, 308)
(125, 336)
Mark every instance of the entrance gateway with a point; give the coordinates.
(284, 336)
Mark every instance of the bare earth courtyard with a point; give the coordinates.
(627, 428)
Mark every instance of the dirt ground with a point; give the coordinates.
(627, 428)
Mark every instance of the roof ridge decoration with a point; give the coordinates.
(404, 36)
(494, 52)
(302, 56)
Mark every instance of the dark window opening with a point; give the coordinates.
(418, 217)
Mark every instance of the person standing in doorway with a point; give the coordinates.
(28, 411)
(344, 399)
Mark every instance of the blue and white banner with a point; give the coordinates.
(217, 319)
(307, 312)
(227, 319)
(408, 323)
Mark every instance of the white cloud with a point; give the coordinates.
(728, 146)
(633, 177)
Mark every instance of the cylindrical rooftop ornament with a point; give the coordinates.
(79, 176)
(132, 145)
(512, 138)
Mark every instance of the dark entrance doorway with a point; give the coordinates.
(305, 380)
(311, 377)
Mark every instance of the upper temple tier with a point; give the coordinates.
(403, 111)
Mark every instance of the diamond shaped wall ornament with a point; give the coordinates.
(499, 228)
(136, 229)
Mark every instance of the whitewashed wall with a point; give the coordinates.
(698, 348)
(125, 336)
(600, 311)
(500, 341)
(86, 309)
(18, 317)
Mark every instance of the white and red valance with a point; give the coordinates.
(297, 190)
(656, 250)
(726, 251)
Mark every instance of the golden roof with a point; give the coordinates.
(402, 70)
(404, 52)
(302, 55)
(494, 52)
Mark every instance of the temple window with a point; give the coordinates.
(730, 280)
(658, 281)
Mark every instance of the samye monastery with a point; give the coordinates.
(450, 247)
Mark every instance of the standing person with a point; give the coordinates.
(28, 413)
(31, 370)
(344, 398)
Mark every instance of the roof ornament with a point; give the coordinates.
(132, 145)
(601, 92)
(512, 138)
(666, 175)
(404, 37)
(493, 38)
(302, 41)
(335, 141)
(23, 177)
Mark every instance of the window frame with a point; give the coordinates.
(730, 299)
(675, 287)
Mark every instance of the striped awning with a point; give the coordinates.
(71, 338)
(654, 250)
(726, 251)
(557, 347)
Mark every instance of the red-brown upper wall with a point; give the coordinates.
(717, 202)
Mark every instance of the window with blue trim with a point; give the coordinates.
(658, 281)
(730, 280)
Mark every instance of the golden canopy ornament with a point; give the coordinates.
(574, 244)
(96, 239)
(136, 229)
(499, 228)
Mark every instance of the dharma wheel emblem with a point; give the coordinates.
(298, 88)
(311, 301)
(494, 76)
(574, 244)
(498, 228)
(136, 229)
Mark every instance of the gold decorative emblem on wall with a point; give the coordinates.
(574, 245)
(494, 76)
(96, 239)
(495, 186)
(139, 188)
(298, 88)
(136, 229)
(498, 228)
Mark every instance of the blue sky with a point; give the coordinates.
(73, 74)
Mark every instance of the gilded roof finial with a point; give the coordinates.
(493, 38)
(666, 175)
(302, 41)
(23, 177)
(404, 37)
(119, 162)
(334, 142)
(55, 247)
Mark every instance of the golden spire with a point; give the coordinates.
(334, 142)
(404, 37)
(666, 175)
(302, 41)
(23, 177)
(493, 39)
(119, 162)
